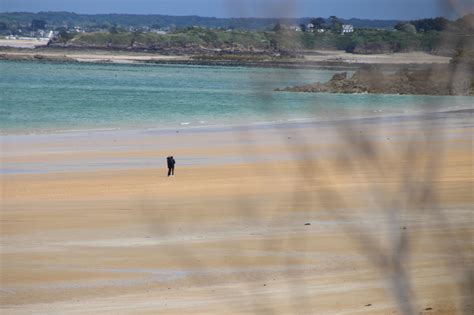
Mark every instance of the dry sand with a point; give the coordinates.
(326, 57)
(23, 43)
(394, 58)
(228, 233)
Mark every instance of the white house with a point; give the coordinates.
(347, 28)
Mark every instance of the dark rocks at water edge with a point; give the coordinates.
(434, 80)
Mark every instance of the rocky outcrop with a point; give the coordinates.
(32, 57)
(435, 80)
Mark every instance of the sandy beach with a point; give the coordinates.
(289, 218)
(29, 43)
(315, 57)
(394, 58)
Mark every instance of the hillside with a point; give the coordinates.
(216, 36)
(202, 40)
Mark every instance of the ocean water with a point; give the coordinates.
(42, 97)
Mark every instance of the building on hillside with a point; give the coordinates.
(347, 28)
(294, 28)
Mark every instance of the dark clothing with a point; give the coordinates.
(171, 162)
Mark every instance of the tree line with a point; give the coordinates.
(14, 21)
(11, 23)
(463, 24)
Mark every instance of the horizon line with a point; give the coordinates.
(227, 18)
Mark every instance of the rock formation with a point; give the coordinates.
(435, 80)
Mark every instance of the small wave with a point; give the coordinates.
(86, 130)
(52, 131)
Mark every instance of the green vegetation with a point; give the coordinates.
(119, 31)
(440, 24)
(192, 37)
(363, 41)
(369, 41)
(38, 25)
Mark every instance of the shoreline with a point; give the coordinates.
(310, 60)
(279, 124)
(123, 147)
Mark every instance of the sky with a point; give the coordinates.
(367, 9)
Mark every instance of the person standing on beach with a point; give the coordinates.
(171, 162)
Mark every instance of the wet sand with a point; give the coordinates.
(276, 219)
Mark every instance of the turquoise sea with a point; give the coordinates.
(42, 97)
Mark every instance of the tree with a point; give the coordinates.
(277, 27)
(466, 23)
(436, 24)
(336, 24)
(115, 29)
(273, 44)
(64, 36)
(303, 27)
(38, 25)
(440, 23)
(405, 27)
(318, 23)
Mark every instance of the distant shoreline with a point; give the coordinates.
(314, 59)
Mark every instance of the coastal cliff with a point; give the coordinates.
(454, 79)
